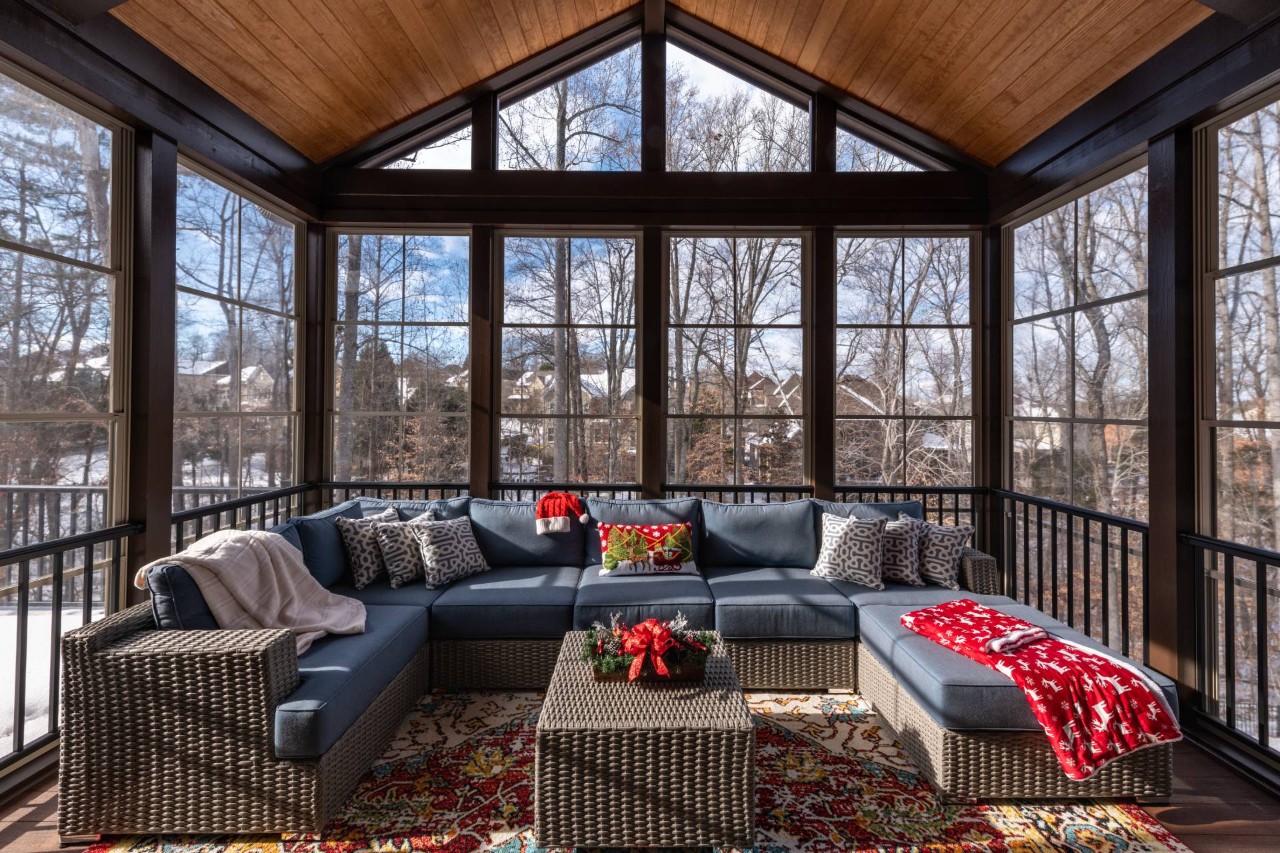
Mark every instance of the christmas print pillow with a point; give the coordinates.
(647, 549)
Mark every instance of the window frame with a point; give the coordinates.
(500, 325)
(805, 325)
(331, 324)
(295, 413)
(1010, 321)
(975, 354)
(119, 268)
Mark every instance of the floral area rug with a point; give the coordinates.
(458, 777)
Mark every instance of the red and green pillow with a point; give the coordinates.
(647, 549)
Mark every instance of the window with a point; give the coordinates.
(904, 361)
(1245, 421)
(451, 151)
(1079, 351)
(60, 396)
(402, 358)
(567, 395)
(585, 121)
(856, 154)
(718, 122)
(235, 421)
(735, 393)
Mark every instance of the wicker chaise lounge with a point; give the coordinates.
(171, 726)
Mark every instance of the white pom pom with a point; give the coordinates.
(583, 518)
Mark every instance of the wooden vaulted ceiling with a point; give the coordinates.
(986, 77)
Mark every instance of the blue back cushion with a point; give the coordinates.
(321, 541)
(775, 535)
(176, 601)
(506, 534)
(865, 511)
(444, 508)
(671, 511)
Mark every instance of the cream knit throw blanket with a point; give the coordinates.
(256, 579)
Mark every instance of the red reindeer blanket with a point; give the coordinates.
(1095, 708)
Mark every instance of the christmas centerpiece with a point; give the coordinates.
(648, 651)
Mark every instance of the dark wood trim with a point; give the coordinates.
(403, 136)
(822, 135)
(990, 400)
(820, 367)
(887, 129)
(1215, 66)
(152, 320)
(357, 196)
(108, 65)
(315, 364)
(1247, 12)
(484, 133)
(653, 88)
(1170, 588)
(79, 11)
(652, 337)
(484, 346)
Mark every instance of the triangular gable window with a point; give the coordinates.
(856, 154)
(451, 151)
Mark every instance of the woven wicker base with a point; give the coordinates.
(171, 732)
(794, 664)
(1002, 765)
(493, 664)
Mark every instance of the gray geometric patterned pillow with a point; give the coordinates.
(449, 551)
(852, 550)
(362, 546)
(902, 550)
(940, 551)
(400, 549)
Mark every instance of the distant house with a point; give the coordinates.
(210, 383)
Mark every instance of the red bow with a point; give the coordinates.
(651, 638)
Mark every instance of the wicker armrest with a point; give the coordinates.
(979, 572)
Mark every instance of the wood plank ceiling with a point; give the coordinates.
(986, 77)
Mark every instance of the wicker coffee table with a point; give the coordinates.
(644, 765)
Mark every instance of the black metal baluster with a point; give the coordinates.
(55, 640)
(20, 670)
(1229, 617)
(1261, 634)
(1124, 593)
(1106, 584)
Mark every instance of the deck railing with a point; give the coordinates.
(257, 511)
(1085, 568)
(336, 493)
(953, 505)
(1238, 596)
(36, 514)
(49, 589)
(751, 494)
(532, 491)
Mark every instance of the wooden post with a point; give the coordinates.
(651, 377)
(653, 88)
(820, 366)
(1170, 584)
(315, 366)
(989, 403)
(152, 332)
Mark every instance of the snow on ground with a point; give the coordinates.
(39, 650)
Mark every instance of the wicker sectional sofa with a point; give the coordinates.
(197, 730)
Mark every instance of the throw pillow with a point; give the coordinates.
(646, 549)
(940, 552)
(362, 546)
(400, 549)
(449, 551)
(902, 550)
(852, 550)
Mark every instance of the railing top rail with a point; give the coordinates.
(247, 500)
(375, 484)
(1234, 549)
(688, 487)
(917, 490)
(68, 543)
(1072, 509)
(52, 487)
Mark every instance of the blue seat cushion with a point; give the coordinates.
(321, 541)
(380, 592)
(670, 511)
(913, 596)
(341, 675)
(513, 602)
(176, 600)
(957, 692)
(779, 603)
(507, 536)
(763, 535)
(639, 597)
(444, 508)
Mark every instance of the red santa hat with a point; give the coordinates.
(553, 512)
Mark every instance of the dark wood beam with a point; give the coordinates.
(1218, 64)
(1171, 584)
(1247, 12)
(315, 364)
(484, 355)
(79, 11)
(484, 133)
(652, 375)
(359, 196)
(880, 126)
(653, 88)
(111, 67)
(152, 320)
(820, 365)
(990, 400)
(822, 136)
(579, 48)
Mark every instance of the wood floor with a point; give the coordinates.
(1213, 810)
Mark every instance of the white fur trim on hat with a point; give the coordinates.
(557, 524)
